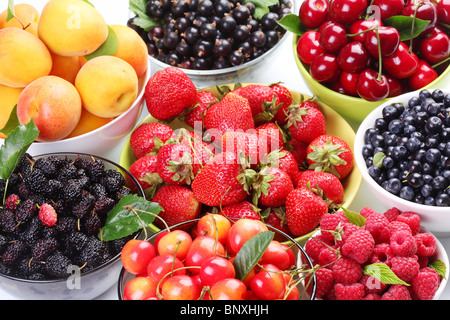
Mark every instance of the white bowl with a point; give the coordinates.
(436, 219)
(101, 139)
(442, 255)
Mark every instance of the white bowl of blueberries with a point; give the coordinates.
(402, 149)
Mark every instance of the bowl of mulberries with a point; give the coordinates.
(211, 40)
(53, 209)
(402, 149)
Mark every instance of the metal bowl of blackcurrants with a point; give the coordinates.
(66, 258)
(213, 42)
(402, 149)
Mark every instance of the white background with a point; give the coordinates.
(282, 69)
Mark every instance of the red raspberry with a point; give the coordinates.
(359, 246)
(348, 230)
(372, 296)
(47, 215)
(406, 268)
(392, 214)
(372, 285)
(11, 202)
(403, 244)
(327, 256)
(378, 225)
(329, 222)
(382, 253)
(425, 284)
(412, 219)
(366, 212)
(397, 226)
(314, 245)
(342, 215)
(423, 261)
(426, 244)
(396, 292)
(325, 281)
(346, 271)
(354, 291)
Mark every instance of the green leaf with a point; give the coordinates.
(15, 146)
(292, 23)
(354, 217)
(10, 13)
(378, 159)
(88, 2)
(108, 48)
(251, 252)
(132, 213)
(383, 273)
(439, 266)
(145, 22)
(13, 122)
(261, 6)
(138, 7)
(404, 26)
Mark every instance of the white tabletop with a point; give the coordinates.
(282, 69)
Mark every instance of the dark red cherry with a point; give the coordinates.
(424, 10)
(348, 82)
(389, 41)
(353, 57)
(333, 37)
(324, 68)
(443, 11)
(402, 64)
(435, 47)
(396, 87)
(389, 8)
(371, 87)
(308, 46)
(313, 13)
(346, 11)
(423, 76)
(361, 25)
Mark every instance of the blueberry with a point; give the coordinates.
(407, 193)
(388, 163)
(413, 144)
(399, 152)
(443, 200)
(374, 171)
(394, 185)
(433, 155)
(426, 190)
(396, 126)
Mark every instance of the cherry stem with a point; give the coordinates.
(380, 59)
(441, 62)
(413, 25)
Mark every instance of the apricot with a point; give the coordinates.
(54, 105)
(25, 17)
(132, 48)
(107, 85)
(65, 67)
(24, 58)
(71, 27)
(88, 122)
(9, 97)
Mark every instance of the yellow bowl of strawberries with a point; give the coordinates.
(231, 150)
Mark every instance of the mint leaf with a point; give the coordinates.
(291, 22)
(108, 48)
(439, 266)
(405, 24)
(15, 146)
(132, 213)
(251, 252)
(12, 123)
(383, 273)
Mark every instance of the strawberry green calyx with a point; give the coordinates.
(327, 157)
(296, 114)
(182, 170)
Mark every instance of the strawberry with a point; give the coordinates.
(271, 135)
(144, 170)
(148, 138)
(285, 98)
(194, 118)
(263, 101)
(304, 210)
(179, 205)
(242, 209)
(276, 217)
(330, 154)
(272, 187)
(284, 160)
(175, 164)
(305, 123)
(169, 93)
(328, 183)
(201, 151)
(298, 150)
(230, 114)
(218, 183)
(247, 143)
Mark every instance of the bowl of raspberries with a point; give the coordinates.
(356, 54)
(212, 41)
(53, 210)
(402, 150)
(369, 255)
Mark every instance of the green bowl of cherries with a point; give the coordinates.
(356, 54)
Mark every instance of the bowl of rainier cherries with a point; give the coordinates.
(355, 54)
